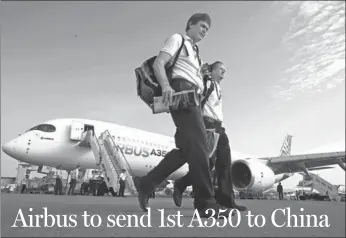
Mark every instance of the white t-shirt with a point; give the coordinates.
(122, 176)
(24, 181)
(213, 105)
(74, 174)
(86, 177)
(58, 173)
(187, 65)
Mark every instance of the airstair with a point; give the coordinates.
(321, 185)
(110, 159)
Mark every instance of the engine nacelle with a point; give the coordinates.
(251, 175)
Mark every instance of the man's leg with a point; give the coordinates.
(82, 188)
(86, 188)
(94, 187)
(181, 184)
(122, 188)
(59, 187)
(69, 189)
(23, 188)
(179, 187)
(225, 193)
(192, 141)
(112, 191)
(56, 188)
(146, 184)
(73, 185)
(104, 188)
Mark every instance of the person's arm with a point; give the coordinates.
(167, 52)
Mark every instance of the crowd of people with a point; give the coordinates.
(90, 184)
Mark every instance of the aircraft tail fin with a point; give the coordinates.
(286, 146)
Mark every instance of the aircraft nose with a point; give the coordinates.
(9, 148)
(6, 148)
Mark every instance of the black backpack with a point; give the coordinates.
(147, 85)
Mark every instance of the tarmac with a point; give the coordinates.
(107, 211)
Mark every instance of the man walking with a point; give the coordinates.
(213, 117)
(190, 136)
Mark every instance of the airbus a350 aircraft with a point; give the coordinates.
(58, 143)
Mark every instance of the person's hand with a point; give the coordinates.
(167, 95)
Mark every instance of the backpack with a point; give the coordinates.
(147, 85)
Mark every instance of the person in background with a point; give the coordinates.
(58, 181)
(101, 185)
(86, 184)
(24, 183)
(73, 182)
(280, 191)
(327, 195)
(93, 183)
(122, 178)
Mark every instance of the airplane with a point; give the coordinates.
(58, 142)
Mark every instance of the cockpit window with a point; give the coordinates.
(44, 128)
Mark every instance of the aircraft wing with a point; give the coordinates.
(299, 163)
(321, 168)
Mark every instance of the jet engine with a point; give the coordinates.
(251, 174)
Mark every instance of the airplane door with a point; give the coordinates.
(77, 129)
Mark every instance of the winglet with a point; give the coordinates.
(286, 146)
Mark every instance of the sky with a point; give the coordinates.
(285, 69)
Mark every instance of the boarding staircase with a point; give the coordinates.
(321, 185)
(111, 160)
